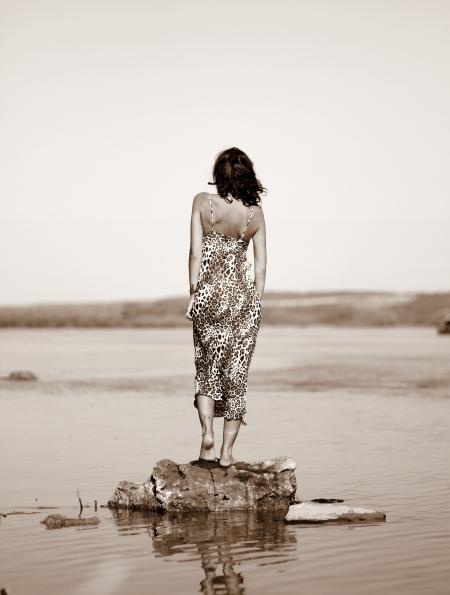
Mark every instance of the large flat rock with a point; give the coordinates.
(314, 512)
(203, 486)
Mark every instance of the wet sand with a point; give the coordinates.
(365, 412)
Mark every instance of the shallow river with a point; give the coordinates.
(365, 413)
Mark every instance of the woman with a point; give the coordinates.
(225, 303)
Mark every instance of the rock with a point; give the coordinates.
(443, 322)
(22, 375)
(57, 521)
(273, 465)
(205, 486)
(135, 496)
(314, 512)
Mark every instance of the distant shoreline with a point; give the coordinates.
(339, 308)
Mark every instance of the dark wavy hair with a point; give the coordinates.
(233, 174)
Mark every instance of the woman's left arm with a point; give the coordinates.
(195, 251)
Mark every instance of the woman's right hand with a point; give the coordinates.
(188, 313)
(258, 293)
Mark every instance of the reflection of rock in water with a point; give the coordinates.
(219, 541)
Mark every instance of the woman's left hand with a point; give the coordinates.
(188, 314)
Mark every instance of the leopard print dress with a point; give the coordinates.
(226, 315)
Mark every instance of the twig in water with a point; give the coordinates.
(81, 503)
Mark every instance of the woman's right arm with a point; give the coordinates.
(195, 248)
(260, 256)
(195, 251)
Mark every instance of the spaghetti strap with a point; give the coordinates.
(211, 209)
(246, 225)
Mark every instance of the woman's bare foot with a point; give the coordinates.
(226, 459)
(230, 431)
(205, 406)
(207, 452)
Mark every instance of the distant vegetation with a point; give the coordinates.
(345, 308)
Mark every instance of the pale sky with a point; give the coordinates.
(112, 113)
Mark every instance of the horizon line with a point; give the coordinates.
(182, 296)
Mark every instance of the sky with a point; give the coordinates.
(112, 113)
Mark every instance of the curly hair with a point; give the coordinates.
(233, 174)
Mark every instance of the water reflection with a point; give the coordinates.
(219, 542)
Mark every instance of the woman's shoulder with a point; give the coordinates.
(200, 199)
(258, 210)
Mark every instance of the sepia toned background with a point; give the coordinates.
(111, 116)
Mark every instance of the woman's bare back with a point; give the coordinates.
(230, 218)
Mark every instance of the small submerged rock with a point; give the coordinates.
(57, 521)
(324, 500)
(21, 376)
(206, 486)
(315, 512)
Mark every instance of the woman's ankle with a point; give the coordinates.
(207, 438)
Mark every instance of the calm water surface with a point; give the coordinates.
(364, 412)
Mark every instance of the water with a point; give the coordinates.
(365, 412)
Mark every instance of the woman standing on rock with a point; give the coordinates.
(225, 303)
